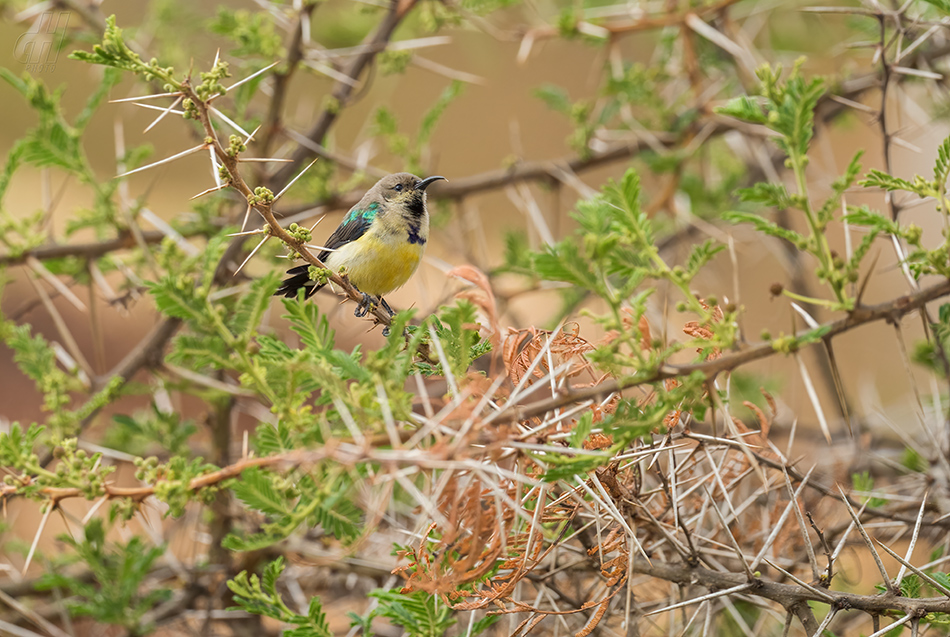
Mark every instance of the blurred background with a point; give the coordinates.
(503, 66)
(525, 107)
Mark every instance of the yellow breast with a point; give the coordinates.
(377, 265)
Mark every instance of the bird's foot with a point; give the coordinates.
(391, 311)
(366, 304)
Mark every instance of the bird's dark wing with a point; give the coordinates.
(299, 278)
(354, 225)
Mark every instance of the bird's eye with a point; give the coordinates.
(398, 187)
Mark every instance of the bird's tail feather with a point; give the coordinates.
(299, 278)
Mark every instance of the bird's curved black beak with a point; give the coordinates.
(422, 184)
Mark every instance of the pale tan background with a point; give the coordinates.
(490, 122)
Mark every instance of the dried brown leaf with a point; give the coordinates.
(481, 296)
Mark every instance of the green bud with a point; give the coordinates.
(913, 233)
(320, 275)
(331, 104)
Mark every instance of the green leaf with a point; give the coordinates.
(270, 440)
(252, 305)
(36, 359)
(210, 257)
(437, 110)
(797, 113)
(765, 226)
(200, 352)
(581, 430)
(53, 142)
(260, 597)
(17, 446)
(813, 336)
(861, 251)
(563, 262)
(942, 164)
(312, 328)
(460, 343)
(566, 466)
(554, 97)
(864, 216)
(701, 255)
(840, 185)
(517, 252)
(117, 595)
(941, 5)
(256, 490)
(625, 196)
(110, 78)
(339, 516)
(910, 586)
(865, 482)
(769, 194)
(482, 624)
(253, 33)
(176, 297)
(418, 613)
(744, 108)
(880, 179)
(942, 578)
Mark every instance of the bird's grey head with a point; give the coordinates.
(404, 190)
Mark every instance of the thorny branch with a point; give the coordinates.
(890, 311)
(632, 518)
(264, 208)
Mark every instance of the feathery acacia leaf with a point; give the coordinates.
(256, 490)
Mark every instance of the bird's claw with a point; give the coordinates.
(392, 313)
(365, 306)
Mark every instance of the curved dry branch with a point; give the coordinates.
(90, 250)
(788, 595)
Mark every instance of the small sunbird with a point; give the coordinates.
(379, 243)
